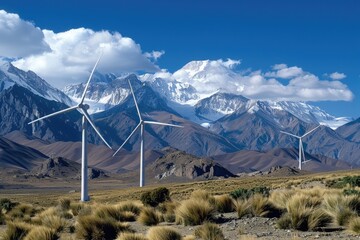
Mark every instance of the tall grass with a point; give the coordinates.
(54, 222)
(202, 195)
(16, 231)
(130, 206)
(194, 212)
(113, 211)
(41, 233)
(131, 236)
(242, 207)
(148, 217)
(224, 203)
(95, 228)
(260, 206)
(163, 233)
(354, 225)
(209, 231)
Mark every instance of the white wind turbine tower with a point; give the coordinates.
(141, 125)
(82, 108)
(301, 147)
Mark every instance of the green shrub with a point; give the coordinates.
(247, 193)
(155, 197)
(352, 181)
(348, 192)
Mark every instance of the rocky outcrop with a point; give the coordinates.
(62, 168)
(178, 164)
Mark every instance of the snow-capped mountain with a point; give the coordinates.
(174, 90)
(191, 91)
(104, 92)
(10, 75)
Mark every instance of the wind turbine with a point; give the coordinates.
(301, 147)
(82, 108)
(141, 126)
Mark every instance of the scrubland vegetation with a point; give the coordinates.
(334, 205)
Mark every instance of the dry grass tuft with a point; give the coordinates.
(189, 237)
(130, 206)
(209, 231)
(224, 203)
(318, 218)
(41, 233)
(194, 212)
(279, 198)
(202, 195)
(131, 236)
(111, 211)
(337, 206)
(148, 217)
(242, 207)
(95, 228)
(163, 233)
(16, 231)
(64, 204)
(354, 225)
(56, 223)
(261, 207)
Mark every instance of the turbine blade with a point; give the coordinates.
(289, 134)
(310, 131)
(136, 105)
(163, 124)
(88, 82)
(54, 114)
(87, 116)
(127, 139)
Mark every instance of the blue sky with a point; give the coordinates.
(320, 37)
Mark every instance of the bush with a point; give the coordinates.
(194, 212)
(209, 231)
(352, 181)
(348, 192)
(16, 231)
(163, 233)
(2, 218)
(168, 210)
(131, 236)
(148, 216)
(247, 193)
(95, 228)
(155, 197)
(41, 233)
(224, 204)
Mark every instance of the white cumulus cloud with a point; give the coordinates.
(74, 52)
(19, 38)
(337, 76)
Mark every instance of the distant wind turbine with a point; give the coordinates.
(141, 125)
(301, 147)
(82, 108)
